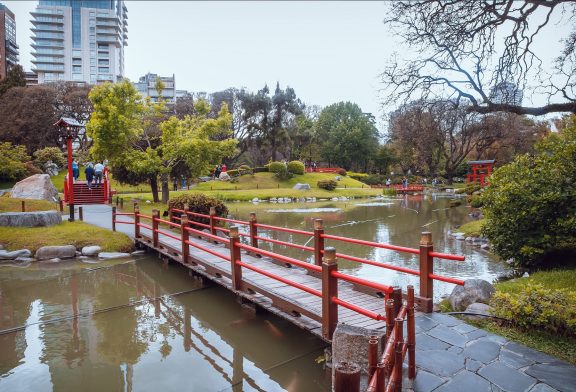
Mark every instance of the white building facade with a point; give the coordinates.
(79, 40)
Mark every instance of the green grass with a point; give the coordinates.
(560, 279)
(472, 229)
(78, 234)
(8, 204)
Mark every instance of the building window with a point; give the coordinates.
(103, 69)
(77, 68)
(77, 53)
(103, 62)
(77, 61)
(76, 76)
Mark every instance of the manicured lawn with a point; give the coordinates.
(472, 229)
(560, 279)
(78, 234)
(8, 204)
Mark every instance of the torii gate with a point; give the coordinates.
(480, 170)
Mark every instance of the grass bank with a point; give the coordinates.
(78, 234)
(8, 204)
(472, 229)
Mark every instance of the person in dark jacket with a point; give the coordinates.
(89, 171)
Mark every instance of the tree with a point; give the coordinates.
(384, 158)
(349, 138)
(13, 160)
(15, 77)
(529, 205)
(457, 49)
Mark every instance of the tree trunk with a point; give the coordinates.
(154, 187)
(165, 189)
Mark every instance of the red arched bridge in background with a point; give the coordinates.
(314, 296)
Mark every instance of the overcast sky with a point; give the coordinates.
(327, 51)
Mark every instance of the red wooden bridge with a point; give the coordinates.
(82, 194)
(401, 189)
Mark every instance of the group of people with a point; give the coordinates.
(94, 173)
(219, 170)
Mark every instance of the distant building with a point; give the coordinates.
(79, 40)
(8, 47)
(31, 78)
(147, 87)
(506, 93)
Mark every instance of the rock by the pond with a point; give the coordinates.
(112, 255)
(474, 290)
(304, 187)
(54, 260)
(23, 259)
(30, 219)
(6, 255)
(224, 176)
(37, 187)
(91, 250)
(56, 252)
(255, 200)
(485, 246)
(138, 252)
(478, 307)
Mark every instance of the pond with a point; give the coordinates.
(139, 325)
(397, 221)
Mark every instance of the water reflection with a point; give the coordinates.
(142, 326)
(397, 221)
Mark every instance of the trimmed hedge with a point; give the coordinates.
(200, 204)
(296, 167)
(329, 185)
(275, 167)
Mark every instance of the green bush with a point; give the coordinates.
(529, 205)
(13, 162)
(233, 173)
(275, 167)
(49, 154)
(389, 192)
(475, 201)
(341, 172)
(537, 307)
(283, 174)
(245, 169)
(296, 167)
(198, 203)
(358, 176)
(329, 185)
(374, 179)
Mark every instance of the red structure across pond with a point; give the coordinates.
(480, 170)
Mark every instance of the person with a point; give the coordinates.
(89, 171)
(75, 170)
(175, 183)
(434, 182)
(217, 172)
(388, 182)
(98, 170)
(405, 183)
(314, 165)
(224, 168)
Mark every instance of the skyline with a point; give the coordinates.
(327, 51)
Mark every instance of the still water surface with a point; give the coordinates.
(84, 333)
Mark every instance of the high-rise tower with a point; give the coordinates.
(8, 46)
(79, 40)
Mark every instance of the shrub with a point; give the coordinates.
(12, 162)
(358, 176)
(233, 173)
(329, 185)
(198, 203)
(245, 169)
(529, 205)
(31, 169)
(283, 174)
(475, 201)
(275, 167)
(537, 307)
(296, 167)
(341, 171)
(374, 179)
(49, 154)
(389, 192)
(260, 170)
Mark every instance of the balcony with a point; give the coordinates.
(48, 52)
(48, 11)
(46, 43)
(48, 60)
(107, 39)
(48, 20)
(48, 68)
(110, 32)
(48, 36)
(47, 27)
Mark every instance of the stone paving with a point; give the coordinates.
(452, 356)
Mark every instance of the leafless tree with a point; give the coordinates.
(464, 48)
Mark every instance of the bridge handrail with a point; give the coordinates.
(353, 279)
(378, 264)
(371, 243)
(278, 257)
(303, 247)
(285, 229)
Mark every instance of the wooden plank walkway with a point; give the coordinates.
(288, 302)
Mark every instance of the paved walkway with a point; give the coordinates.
(452, 356)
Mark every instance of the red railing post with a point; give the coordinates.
(346, 377)
(397, 297)
(212, 220)
(185, 239)
(61, 203)
(318, 241)
(389, 318)
(372, 357)
(235, 255)
(411, 333)
(329, 290)
(397, 376)
(426, 268)
(155, 225)
(136, 221)
(253, 230)
(113, 218)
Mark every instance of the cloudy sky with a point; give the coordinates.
(327, 51)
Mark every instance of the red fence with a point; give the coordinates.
(400, 188)
(323, 169)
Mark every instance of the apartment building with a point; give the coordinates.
(8, 47)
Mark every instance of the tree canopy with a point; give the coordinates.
(472, 48)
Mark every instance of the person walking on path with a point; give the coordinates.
(89, 171)
(405, 183)
(217, 172)
(98, 170)
(224, 168)
(75, 170)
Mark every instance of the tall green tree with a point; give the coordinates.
(15, 77)
(349, 137)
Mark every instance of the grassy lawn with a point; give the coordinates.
(78, 234)
(8, 204)
(559, 279)
(472, 229)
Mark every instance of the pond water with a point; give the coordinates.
(137, 325)
(396, 221)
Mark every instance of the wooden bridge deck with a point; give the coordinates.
(290, 303)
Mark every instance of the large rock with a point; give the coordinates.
(224, 176)
(474, 290)
(38, 187)
(30, 219)
(91, 250)
(6, 255)
(304, 187)
(56, 252)
(112, 255)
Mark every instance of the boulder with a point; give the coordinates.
(6, 255)
(304, 187)
(38, 187)
(138, 252)
(91, 250)
(23, 259)
(112, 255)
(30, 219)
(224, 176)
(474, 290)
(485, 247)
(54, 260)
(56, 252)
(478, 308)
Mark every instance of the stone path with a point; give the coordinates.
(452, 356)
